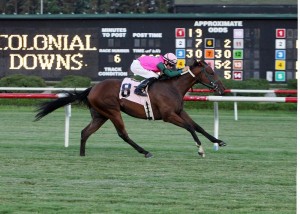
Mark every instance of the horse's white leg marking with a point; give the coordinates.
(200, 150)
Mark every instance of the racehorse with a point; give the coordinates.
(166, 99)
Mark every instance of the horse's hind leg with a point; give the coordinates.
(97, 121)
(199, 129)
(119, 125)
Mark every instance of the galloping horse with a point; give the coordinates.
(166, 99)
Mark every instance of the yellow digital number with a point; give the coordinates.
(198, 42)
(218, 53)
(227, 74)
(227, 43)
(218, 64)
(198, 32)
(190, 32)
(227, 64)
(189, 53)
(117, 58)
(227, 54)
(198, 53)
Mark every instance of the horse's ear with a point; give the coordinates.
(199, 62)
(196, 62)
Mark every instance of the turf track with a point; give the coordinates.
(255, 173)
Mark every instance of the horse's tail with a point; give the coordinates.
(70, 97)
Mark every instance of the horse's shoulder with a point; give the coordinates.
(162, 87)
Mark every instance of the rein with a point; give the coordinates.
(189, 71)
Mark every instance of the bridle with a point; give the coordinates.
(212, 82)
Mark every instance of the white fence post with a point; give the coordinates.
(67, 124)
(216, 124)
(235, 109)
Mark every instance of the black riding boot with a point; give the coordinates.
(141, 87)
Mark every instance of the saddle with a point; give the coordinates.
(127, 92)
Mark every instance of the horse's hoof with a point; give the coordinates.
(201, 151)
(222, 143)
(148, 155)
(201, 154)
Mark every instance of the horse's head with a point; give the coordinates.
(206, 76)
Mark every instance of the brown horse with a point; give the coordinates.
(166, 99)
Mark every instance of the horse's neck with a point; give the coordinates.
(184, 83)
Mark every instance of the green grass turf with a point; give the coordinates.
(255, 173)
(238, 2)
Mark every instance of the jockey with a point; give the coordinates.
(150, 68)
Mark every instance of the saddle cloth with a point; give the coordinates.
(127, 92)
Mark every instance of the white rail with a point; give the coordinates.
(39, 89)
(214, 99)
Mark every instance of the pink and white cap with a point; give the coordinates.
(170, 58)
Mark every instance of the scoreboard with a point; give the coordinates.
(241, 49)
(103, 46)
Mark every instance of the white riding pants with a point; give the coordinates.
(138, 69)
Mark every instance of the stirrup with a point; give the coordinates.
(138, 91)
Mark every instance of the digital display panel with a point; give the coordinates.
(101, 48)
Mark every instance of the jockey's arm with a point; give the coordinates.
(169, 72)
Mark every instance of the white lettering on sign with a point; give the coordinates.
(45, 42)
(147, 51)
(138, 50)
(114, 32)
(114, 51)
(147, 35)
(156, 51)
(218, 24)
(218, 30)
(46, 61)
(112, 69)
(112, 73)
(120, 50)
(64, 52)
(104, 50)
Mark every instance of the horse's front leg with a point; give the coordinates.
(199, 129)
(178, 121)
